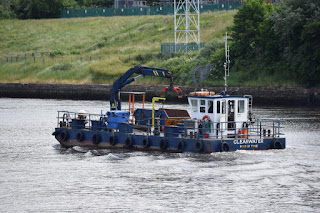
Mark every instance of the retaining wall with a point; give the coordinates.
(268, 96)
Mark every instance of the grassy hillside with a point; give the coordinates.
(120, 42)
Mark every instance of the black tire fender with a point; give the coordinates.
(64, 135)
(112, 140)
(163, 144)
(128, 143)
(225, 147)
(180, 146)
(199, 146)
(95, 139)
(79, 136)
(277, 145)
(146, 143)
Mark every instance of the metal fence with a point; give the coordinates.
(169, 48)
(44, 58)
(201, 73)
(140, 11)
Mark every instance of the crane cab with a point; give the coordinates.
(220, 115)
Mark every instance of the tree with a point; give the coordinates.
(249, 28)
(254, 46)
(8, 8)
(68, 4)
(39, 8)
(297, 25)
(104, 3)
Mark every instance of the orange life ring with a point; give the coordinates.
(206, 117)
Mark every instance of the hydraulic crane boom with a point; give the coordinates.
(115, 102)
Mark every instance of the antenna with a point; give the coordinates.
(227, 63)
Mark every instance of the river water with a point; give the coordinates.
(36, 175)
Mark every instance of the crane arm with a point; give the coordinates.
(115, 101)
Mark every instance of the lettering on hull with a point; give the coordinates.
(248, 146)
(247, 141)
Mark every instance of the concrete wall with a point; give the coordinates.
(289, 96)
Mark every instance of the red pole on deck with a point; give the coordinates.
(129, 101)
(143, 98)
(132, 103)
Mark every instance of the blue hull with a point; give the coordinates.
(119, 140)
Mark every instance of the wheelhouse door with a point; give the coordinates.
(230, 111)
(223, 116)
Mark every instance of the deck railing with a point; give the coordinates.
(256, 129)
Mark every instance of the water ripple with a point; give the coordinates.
(38, 175)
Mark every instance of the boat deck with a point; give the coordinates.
(93, 131)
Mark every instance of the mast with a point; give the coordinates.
(227, 63)
(186, 24)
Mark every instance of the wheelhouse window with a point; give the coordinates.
(210, 106)
(241, 106)
(202, 106)
(218, 107)
(223, 107)
(194, 105)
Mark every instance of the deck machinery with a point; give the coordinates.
(218, 122)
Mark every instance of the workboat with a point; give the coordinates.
(214, 123)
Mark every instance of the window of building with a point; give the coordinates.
(194, 105)
(241, 106)
(210, 106)
(202, 106)
(223, 108)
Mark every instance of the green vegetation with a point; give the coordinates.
(121, 42)
(277, 45)
(270, 46)
(37, 9)
(297, 28)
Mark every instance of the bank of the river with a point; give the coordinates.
(286, 96)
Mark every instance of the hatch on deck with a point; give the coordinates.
(174, 116)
